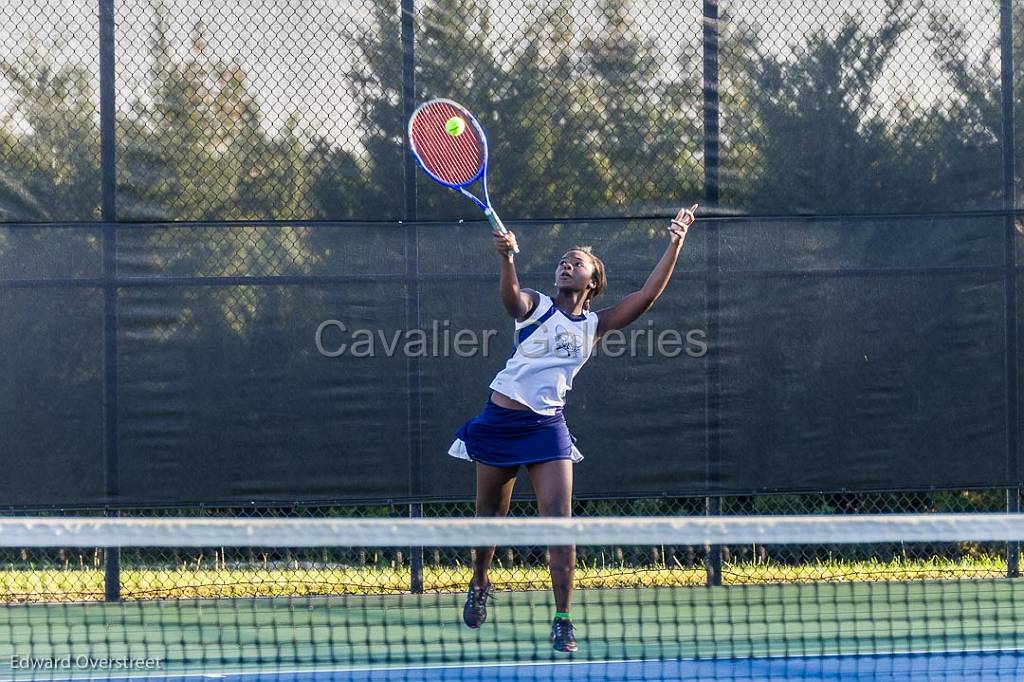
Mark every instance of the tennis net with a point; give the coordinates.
(812, 598)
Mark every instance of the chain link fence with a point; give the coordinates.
(256, 110)
(252, 111)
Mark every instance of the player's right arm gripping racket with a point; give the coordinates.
(450, 147)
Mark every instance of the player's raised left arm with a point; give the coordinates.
(632, 306)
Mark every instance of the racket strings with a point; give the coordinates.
(457, 159)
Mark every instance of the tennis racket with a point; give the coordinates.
(449, 145)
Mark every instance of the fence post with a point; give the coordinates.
(412, 293)
(711, 109)
(1013, 548)
(1009, 204)
(713, 505)
(713, 559)
(108, 186)
(416, 557)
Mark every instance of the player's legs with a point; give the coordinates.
(552, 483)
(493, 497)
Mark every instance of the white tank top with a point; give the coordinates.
(550, 348)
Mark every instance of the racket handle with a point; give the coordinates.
(496, 223)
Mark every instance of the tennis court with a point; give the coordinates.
(912, 631)
(258, 411)
(858, 629)
(343, 638)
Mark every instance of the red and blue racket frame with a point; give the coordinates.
(454, 161)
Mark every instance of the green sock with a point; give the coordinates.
(562, 614)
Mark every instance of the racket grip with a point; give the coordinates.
(496, 223)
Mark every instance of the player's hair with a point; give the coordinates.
(599, 278)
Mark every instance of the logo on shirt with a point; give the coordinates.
(567, 342)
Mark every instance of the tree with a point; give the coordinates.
(821, 146)
(648, 126)
(376, 84)
(969, 124)
(186, 146)
(51, 172)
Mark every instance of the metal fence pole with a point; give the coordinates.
(416, 558)
(713, 560)
(711, 109)
(412, 293)
(713, 505)
(1007, 91)
(1013, 548)
(1009, 204)
(108, 182)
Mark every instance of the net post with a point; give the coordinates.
(416, 555)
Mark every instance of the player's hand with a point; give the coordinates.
(681, 223)
(505, 242)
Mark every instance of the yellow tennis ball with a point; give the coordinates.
(455, 126)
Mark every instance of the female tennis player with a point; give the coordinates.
(522, 422)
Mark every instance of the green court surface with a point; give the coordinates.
(612, 624)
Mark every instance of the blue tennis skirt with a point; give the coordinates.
(502, 437)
